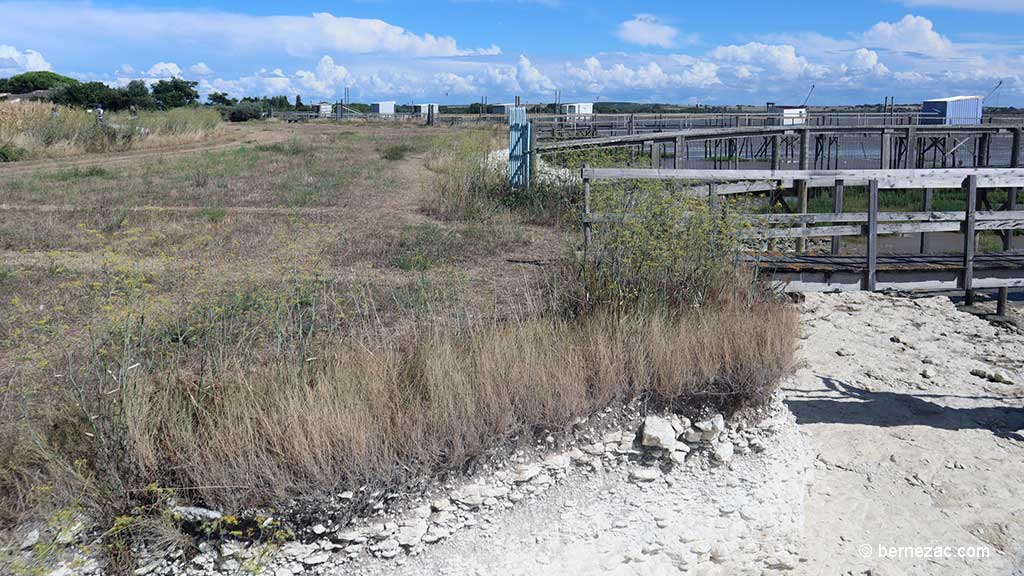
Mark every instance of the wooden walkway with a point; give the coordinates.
(804, 272)
(844, 273)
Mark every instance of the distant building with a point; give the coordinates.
(324, 109)
(502, 108)
(35, 95)
(578, 108)
(787, 115)
(953, 111)
(425, 109)
(383, 108)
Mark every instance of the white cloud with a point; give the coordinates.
(647, 30)
(977, 5)
(531, 79)
(164, 70)
(228, 32)
(325, 80)
(593, 76)
(782, 58)
(13, 61)
(911, 34)
(200, 69)
(866, 61)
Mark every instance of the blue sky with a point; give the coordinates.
(723, 52)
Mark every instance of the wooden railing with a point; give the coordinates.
(839, 224)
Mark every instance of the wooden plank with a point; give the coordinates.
(680, 153)
(700, 133)
(922, 178)
(971, 190)
(915, 227)
(872, 248)
(862, 217)
(816, 232)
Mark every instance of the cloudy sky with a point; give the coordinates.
(722, 52)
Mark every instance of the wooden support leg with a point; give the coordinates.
(1004, 293)
(971, 189)
(801, 190)
(929, 194)
(872, 249)
(837, 202)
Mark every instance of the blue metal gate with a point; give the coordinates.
(518, 148)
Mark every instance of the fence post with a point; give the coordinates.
(886, 150)
(872, 272)
(929, 194)
(531, 156)
(801, 185)
(838, 209)
(1011, 204)
(587, 224)
(655, 154)
(970, 186)
(680, 161)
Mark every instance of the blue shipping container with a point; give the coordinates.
(955, 111)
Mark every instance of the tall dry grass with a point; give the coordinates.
(34, 129)
(236, 424)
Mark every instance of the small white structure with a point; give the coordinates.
(383, 108)
(578, 108)
(953, 111)
(324, 109)
(789, 115)
(424, 110)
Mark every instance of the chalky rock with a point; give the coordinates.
(658, 433)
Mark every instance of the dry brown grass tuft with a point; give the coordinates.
(256, 429)
(33, 128)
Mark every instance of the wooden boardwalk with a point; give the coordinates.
(844, 273)
(804, 272)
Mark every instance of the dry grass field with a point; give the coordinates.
(319, 307)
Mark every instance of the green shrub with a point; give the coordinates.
(11, 153)
(396, 152)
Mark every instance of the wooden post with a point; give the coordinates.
(886, 150)
(912, 147)
(801, 185)
(655, 155)
(837, 202)
(587, 224)
(872, 271)
(926, 206)
(680, 160)
(776, 157)
(531, 157)
(1011, 204)
(970, 187)
(713, 198)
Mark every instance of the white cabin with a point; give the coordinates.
(383, 108)
(578, 108)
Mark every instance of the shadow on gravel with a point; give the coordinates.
(843, 403)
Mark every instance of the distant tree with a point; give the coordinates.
(41, 80)
(244, 111)
(3, 85)
(280, 103)
(175, 93)
(137, 94)
(91, 94)
(220, 99)
(298, 101)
